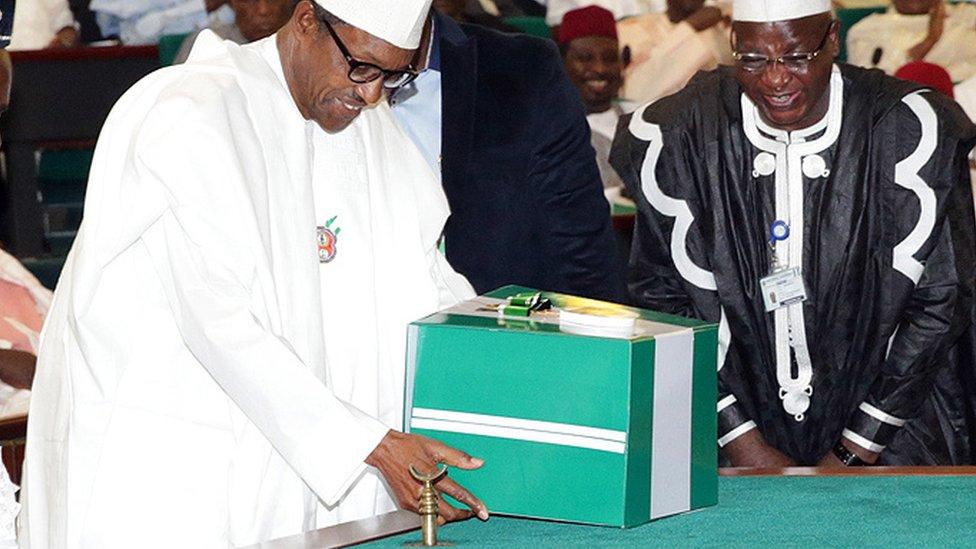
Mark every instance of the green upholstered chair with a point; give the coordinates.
(534, 26)
(46, 269)
(169, 46)
(62, 177)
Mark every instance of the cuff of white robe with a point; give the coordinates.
(64, 20)
(872, 428)
(337, 462)
(732, 421)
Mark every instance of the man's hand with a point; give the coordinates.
(705, 18)
(17, 368)
(937, 17)
(65, 38)
(398, 451)
(831, 461)
(751, 450)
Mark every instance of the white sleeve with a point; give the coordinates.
(860, 45)
(60, 15)
(668, 65)
(37, 21)
(206, 264)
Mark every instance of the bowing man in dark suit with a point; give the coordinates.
(496, 116)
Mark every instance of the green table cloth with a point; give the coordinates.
(891, 511)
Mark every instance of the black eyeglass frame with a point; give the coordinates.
(392, 79)
(794, 62)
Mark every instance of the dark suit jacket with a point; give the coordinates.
(526, 199)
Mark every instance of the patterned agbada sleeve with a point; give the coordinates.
(669, 268)
(933, 242)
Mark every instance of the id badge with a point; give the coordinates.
(782, 289)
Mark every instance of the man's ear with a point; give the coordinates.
(834, 40)
(304, 20)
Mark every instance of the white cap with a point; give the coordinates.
(767, 11)
(399, 22)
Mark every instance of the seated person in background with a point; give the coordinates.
(500, 123)
(16, 367)
(588, 43)
(667, 49)
(557, 9)
(40, 24)
(23, 304)
(144, 22)
(927, 74)
(915, 30)
(844, 188)
(253, 20)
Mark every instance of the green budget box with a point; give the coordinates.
(587, 412)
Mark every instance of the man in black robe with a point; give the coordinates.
(789, 175)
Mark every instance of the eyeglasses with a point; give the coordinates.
(361, 72)
(793, 62)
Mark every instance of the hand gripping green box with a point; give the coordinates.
(575, 422)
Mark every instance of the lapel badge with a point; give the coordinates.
(327, 239)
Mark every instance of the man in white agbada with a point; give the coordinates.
(668, 48)
(917, 30)
(223, 361)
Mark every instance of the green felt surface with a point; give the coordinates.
(911, 511)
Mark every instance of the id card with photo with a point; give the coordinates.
(782, 289)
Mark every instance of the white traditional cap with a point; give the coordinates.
(399, 22)
(767, 11)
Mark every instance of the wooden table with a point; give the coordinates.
(58, 98)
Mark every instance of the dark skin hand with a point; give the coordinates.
(17, 368)
(695, 13)
(705, 18)
(398, 451)
(830, 460)
(937, 16)
(752, 450)
(65, 38)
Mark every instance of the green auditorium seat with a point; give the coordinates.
(535, 26)
(46, 269)
(169, 46)
(62, 177)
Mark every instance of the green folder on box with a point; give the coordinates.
(586, 412)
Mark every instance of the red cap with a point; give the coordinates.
(927, 74)
(588, 21)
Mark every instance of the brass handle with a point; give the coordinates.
(428, 503)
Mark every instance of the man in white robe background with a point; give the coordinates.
(917, 30)
(213, 369)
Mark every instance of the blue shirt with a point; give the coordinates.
(417, 108)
